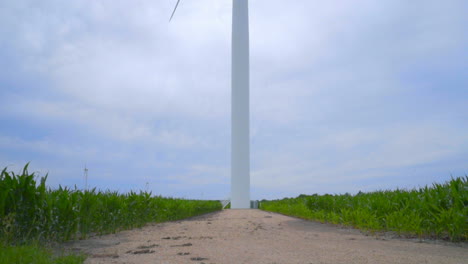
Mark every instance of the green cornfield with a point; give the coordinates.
(438, 211)
(30, 211)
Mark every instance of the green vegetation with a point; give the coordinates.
(27, 254)
(30, 213)
(439, 211)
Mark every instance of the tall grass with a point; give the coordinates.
(28, 254)
(29, 211)
(437, 211)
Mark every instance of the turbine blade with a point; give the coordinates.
(175, 8)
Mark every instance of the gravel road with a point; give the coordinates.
(254, 236)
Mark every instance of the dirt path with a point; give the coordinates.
(254, 236)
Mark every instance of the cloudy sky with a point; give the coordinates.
(345, 95)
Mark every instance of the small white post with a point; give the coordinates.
(86, 177)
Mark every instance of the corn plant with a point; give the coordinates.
(437, 211)
(31, 211)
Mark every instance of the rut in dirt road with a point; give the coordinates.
(254, 236)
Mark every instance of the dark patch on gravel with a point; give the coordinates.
(174, 238)
(108, 255)
(144, 251)
(183, 245)
(146, 247)
(198, 259)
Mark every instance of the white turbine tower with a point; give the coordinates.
(240, 147)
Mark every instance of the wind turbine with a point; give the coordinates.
(240, 147)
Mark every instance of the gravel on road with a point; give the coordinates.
(255, 236)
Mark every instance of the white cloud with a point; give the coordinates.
(341, 91)
(121, 126)
(354, 156)
(202, 174)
